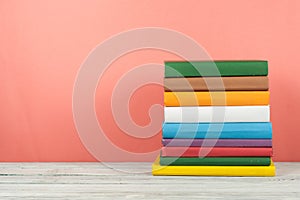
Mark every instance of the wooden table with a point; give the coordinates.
(117, 181)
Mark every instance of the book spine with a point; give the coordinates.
(255, 171)
(217, 130)
(214, 152)
(247, 83)
(216, 161)
(217, 142)
(217, 114)
(216, 68)
(237, 98)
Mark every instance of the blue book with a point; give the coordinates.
(228, 130)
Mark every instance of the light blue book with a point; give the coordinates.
(228, 130)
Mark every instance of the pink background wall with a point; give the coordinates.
(43, 43)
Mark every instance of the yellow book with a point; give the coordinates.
(158, 170)
(223, 98)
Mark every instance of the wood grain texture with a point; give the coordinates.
(116, 181)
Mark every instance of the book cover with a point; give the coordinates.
(215, 151)
(217, 142)
(245, 130)
(158, 170)
(238, 83)
(217, 114)
(215, 161)
(216, 68)
(236, 98)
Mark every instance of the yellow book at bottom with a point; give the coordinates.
(159, 170)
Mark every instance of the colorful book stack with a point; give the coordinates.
(217, 120)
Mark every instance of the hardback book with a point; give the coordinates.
(244, 130)
(159, 170)
(216, 68)
(215, 151)
(217, 114)
(183, 142)
(235, 83)
(236, 98)
(215, 161)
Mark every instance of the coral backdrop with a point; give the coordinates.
(43, 43)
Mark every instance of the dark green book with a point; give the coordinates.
(216, 68)
(215, 161)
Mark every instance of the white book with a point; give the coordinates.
(217, 114)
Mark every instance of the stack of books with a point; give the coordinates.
(216, 120)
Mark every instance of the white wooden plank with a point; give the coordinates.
(97, 181)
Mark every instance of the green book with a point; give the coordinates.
(215, 161)
(216, 68)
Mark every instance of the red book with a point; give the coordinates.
(215, 151)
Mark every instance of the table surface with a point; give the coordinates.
(134, 181)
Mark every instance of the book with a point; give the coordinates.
(250, 130)
(217, 142)
(237, 83)
(158, 170)
(215, 161)
(216, 68)
(217, 114)
(236, 98)
(215, 151)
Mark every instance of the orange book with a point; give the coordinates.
(222, 98)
